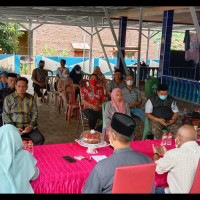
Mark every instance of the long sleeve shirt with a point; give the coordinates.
(181, 164)
(20, 111)
(101, 178)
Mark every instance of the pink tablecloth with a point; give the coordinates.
(59, 176)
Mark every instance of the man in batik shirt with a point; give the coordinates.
(92, 99)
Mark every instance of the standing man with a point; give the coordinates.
(162, 112)
(116, 83)
(39, 80)
(120, 135)
(21, 111)
(92, 99)
(132, 95)
(11, 80)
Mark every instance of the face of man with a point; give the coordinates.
(129, 80)
(41, 65)
(11, 82)
(21, 87)
(118, 75)
(162, 94)
(62, 63)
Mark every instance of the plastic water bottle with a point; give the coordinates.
(169, 139)
(24, 145)
(30, 146)
(164, 139)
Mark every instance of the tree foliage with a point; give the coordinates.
(176, 40)
(51, 52)
(9, 33)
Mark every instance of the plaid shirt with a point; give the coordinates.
(20, 111)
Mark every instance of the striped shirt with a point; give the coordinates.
(20, 111)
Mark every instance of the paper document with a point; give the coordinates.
(98, 158)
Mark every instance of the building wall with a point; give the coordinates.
(60, 37)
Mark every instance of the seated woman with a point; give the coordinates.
(17, 166)
(117, 104)
(62, 84)
(101, 77)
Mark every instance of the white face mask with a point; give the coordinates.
(78, 72)
(129, 82)
(176, 144)
(111, 144)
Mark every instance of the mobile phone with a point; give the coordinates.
(69, 159)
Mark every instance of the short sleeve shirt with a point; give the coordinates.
(131, 96)
(149, 107)
(40, 74)
(61, 72)
(93, 96)
(112, 85)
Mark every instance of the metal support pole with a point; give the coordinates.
(122, 41)
(84, 39)
(195, 20)
(116, 42)
(139, 48)
(29, 46)
(147, 49)
(102, 46)
(91, 41)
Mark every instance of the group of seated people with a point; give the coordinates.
(19, 113)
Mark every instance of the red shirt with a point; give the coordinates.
(93, 96)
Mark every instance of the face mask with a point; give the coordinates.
(111, 144)
(93, 82)
(162, 97)
(129, 82)
(176, 144)
(78, 72)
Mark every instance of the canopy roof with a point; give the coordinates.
(82, 15)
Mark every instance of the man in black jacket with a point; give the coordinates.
(11, 80)
(162, 112)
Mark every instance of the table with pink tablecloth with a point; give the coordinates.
(59, 176)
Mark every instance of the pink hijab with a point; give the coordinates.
(119, 106)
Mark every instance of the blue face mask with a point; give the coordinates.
(162, 97)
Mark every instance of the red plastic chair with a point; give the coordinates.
(72, 104)
(195, 189)
(134, 178)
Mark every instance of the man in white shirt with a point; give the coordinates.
(162, 112)
(180, 163)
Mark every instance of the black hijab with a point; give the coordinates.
(74, 76)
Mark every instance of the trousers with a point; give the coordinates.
(138, 112)
(35, 135)
(92, 117)
(37, 89)
(156, 128)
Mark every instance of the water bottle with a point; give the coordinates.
(169, 139)
(30, 146)
(164, 139)
(24, 145)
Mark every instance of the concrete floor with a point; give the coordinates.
(56, 129)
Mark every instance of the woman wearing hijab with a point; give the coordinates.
(117, 104)
(17, 166)
(101, 77)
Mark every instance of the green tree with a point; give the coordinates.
(176, 40)
(51, 52)
(9, 33)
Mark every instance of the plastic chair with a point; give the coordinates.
(103, 119)
(51, 80)
(195, 189)
(72, 104)
(134, 178)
